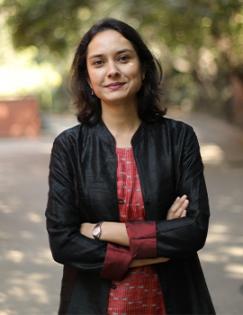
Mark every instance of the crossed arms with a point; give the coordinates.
(116, 232)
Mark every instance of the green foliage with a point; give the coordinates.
(52, 26)
(48, 25)
(204, 40)
(198, 42)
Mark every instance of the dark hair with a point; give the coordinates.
(238, 72)
(88, 105)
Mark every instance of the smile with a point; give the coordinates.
(115, 86)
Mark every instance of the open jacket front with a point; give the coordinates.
(83, 189)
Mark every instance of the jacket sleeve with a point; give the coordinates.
(184, 236)
(142, 239)
(67, 245)
(117, 261)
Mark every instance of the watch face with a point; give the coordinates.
(96, 231)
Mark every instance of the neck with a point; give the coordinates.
(121, 120)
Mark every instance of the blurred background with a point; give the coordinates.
(198, 42)
(200, 46)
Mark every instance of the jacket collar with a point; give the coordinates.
(106, 136)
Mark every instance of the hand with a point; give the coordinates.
(86, 229)
(178, 208)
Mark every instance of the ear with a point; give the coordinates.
(89, 83)
(91, 88)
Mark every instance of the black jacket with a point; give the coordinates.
(82, 184)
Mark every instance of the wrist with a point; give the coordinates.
(115, 232)
(105, 231)
(86, 229)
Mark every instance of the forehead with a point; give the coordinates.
(108, 41)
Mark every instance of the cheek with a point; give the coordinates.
(136, 72)
(137, 76)
(94, 77)
(139, 84)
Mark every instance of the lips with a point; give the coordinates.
(115, 85)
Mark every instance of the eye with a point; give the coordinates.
(123, 58)
(97, 63)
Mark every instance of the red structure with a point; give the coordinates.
(237, 95)
(19, 118)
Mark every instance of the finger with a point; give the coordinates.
(177, 203)
(180, 200)
(177, 207)
(181, 204)
(183, 197)
(185, 204)
(183, 214)
(183, 207)
(183, 201)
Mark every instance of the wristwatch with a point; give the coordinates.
(97, 231)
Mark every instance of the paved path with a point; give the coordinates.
(30, 280)
(222, 257)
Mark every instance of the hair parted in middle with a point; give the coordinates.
(149, 95)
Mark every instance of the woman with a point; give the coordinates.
(127, 208)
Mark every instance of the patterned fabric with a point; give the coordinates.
(139, 292)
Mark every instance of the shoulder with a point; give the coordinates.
(178, 134)
(64, 145)
(66, 137)
(174, 127)
(182, 136)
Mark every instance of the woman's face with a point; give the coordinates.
(114, 69)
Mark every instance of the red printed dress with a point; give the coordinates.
(139, 292)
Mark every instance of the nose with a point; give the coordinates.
(112, 69)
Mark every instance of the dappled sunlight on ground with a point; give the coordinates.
(34, 217)
(212, 153)
(14, 256)
(222, 256)
(221, 147)
(225, 247)
(235, 270)
(31, 279)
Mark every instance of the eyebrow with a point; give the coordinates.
(117, 53)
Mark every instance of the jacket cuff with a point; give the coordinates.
(142, 236)
(117, 261)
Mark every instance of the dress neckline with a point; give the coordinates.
(123, 148)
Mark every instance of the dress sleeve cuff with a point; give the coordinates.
(142, 236)
(117, 261)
